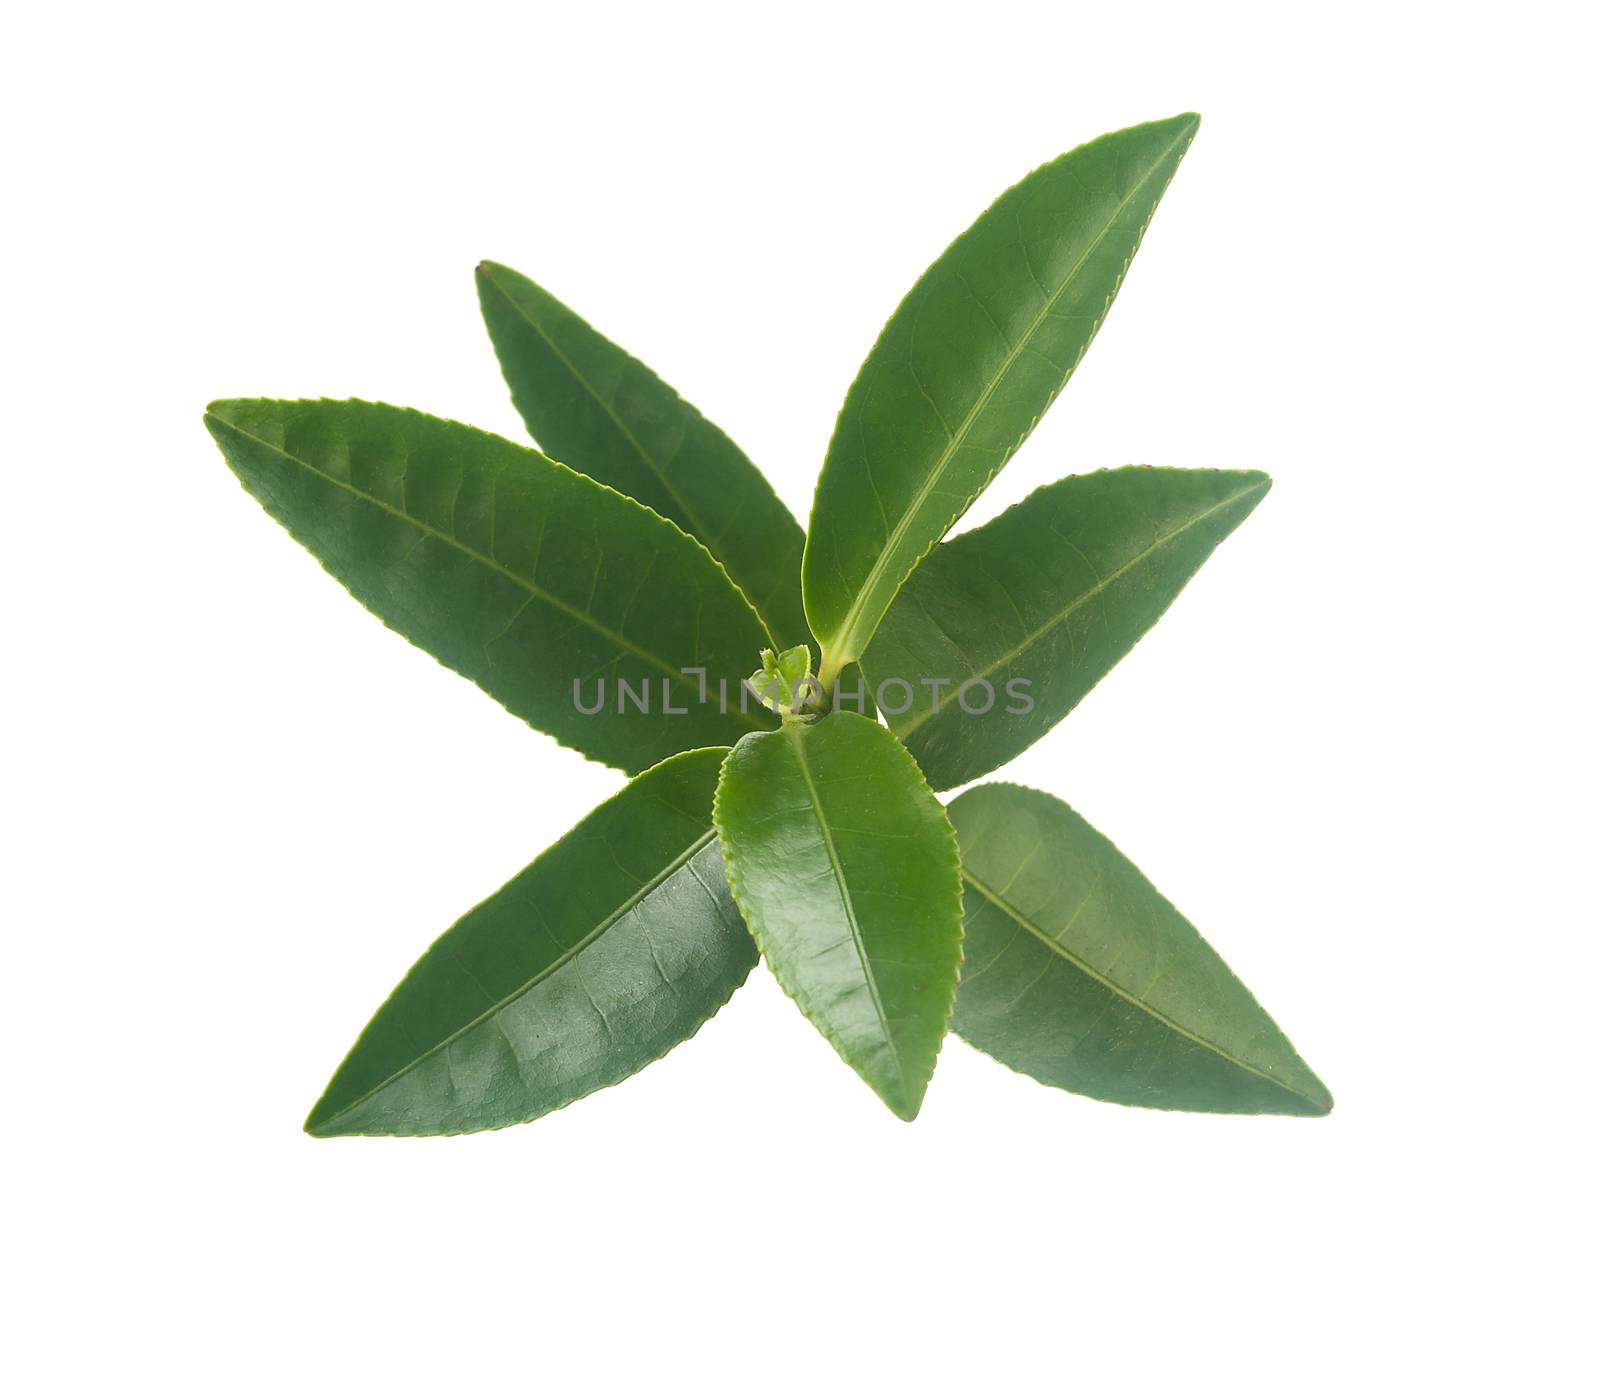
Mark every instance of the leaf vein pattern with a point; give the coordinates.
(1053, 943)
(569, 954)
(849, 907)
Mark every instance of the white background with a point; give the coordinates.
(1358, 753)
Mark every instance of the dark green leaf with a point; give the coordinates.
(967, 365)
(1044, 601)
(844, 865)
(1081, 975)
(515, 571)
(608, 950)
(591, 405)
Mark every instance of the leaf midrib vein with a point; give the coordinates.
(957, 439)
(849, 907)
(572, 611)
(1056, 948)
(982, 675)
(606, 407)
(571, 952)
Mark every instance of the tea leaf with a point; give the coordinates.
(1079, 974)
(1045, 600)
(608, 950)
(542, 586)
(591, 405)
(844, 866)
(966, 366)
(784, 681)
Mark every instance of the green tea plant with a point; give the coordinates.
(615, 588)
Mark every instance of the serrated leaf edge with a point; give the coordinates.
(485, 273)
(732, 870)
(906, 731)
(856, 655)
(212, 419)
(608, 1085)
(1313, 1110)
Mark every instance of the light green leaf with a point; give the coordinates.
(591, 405)
(1002, 631)
(542, 586)
(1079, 974)
(784, 682)
(608, 950)
(844, 865)
(967, 365)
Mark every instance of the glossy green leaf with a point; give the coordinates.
(1081, 975)
(608, 950)
(967, 365)
(591, 405)
(1002, 631)
(542, 586)
(844, 865)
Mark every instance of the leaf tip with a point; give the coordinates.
(1304, 1096)
(328, 1121)
(1320, 1099)
(490, 279)
(219, 414)
(903, 1097)
(1187, 124)
(1182, 129)
(1253, 486)
(323, 1120)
